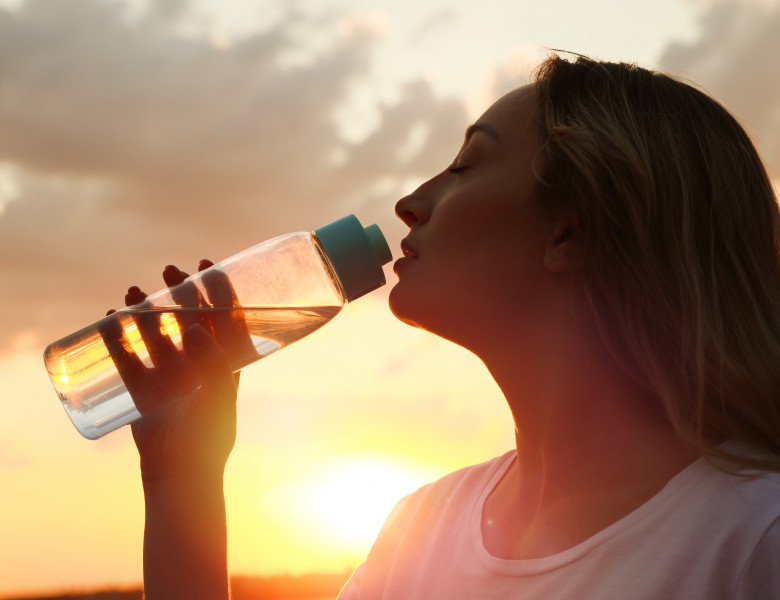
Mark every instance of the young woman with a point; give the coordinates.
(607, 242)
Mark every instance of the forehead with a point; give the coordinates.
(513, 113)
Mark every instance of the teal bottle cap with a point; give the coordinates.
(357, 254)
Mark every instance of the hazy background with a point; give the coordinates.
(137, 134)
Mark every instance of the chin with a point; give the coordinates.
(440, 320)
(399, 307)
(404, 308)
(411, 311)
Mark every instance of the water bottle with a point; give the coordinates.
(254, 303)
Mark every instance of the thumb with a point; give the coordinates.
(210, 361)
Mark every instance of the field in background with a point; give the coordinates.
(313, 586)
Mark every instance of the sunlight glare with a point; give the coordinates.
(64, 378)
(345, 499)
(169, 325)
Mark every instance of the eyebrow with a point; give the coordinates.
(484, 128)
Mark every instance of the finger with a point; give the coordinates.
(218, 288)
(162, 349)
(113, 335)
(131, 368)
(186, 295)
(134, 296)
(228, 320)
(205, 264)
(146, 386)
(173, 276)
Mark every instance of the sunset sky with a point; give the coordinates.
(137, 134)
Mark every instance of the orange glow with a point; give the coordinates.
(348, 498)
(342, 501)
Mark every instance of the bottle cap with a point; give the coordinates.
(357, 254)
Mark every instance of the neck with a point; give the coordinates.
(592, 444)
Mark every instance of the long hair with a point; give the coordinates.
(681, 245)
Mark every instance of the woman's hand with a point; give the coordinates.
(194, 435)
(188, 399)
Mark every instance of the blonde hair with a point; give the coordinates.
(681, 244)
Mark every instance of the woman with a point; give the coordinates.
(606, 241)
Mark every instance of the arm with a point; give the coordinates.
(185, 540)
(184, 444)
(185, 536)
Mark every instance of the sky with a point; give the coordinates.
(138, 134)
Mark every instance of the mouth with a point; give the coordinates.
(407, 251)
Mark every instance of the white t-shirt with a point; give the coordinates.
(705, 535)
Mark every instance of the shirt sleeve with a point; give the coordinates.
(760, 578)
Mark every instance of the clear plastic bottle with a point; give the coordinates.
(255, 303)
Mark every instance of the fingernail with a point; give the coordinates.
(133, 289)
(205, 264)
(171, 268)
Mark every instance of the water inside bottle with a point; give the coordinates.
(87, 378)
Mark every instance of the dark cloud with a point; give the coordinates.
(134, 146)
(737, 59)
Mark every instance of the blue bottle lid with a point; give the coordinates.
(356, 253)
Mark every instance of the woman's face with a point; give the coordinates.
(476, 243)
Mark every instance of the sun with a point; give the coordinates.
(343, 501)
(351, 497)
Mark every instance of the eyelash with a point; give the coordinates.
(456, 169)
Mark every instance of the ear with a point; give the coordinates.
(564, 247)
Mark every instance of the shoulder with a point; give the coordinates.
(739, 516)
(462, 482)
(756, 493)
(737, 502)
(447, 497)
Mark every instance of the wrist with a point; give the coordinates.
(200, 469)
(198, 481)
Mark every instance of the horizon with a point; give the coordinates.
(307, 586)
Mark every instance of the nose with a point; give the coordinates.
(416, 208)
(410, 210)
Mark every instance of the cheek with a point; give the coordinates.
(477, 261)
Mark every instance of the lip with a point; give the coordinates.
(409, 255)
(407, 250)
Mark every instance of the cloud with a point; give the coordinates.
(126, 145)
(443, 17)
(737, 58)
